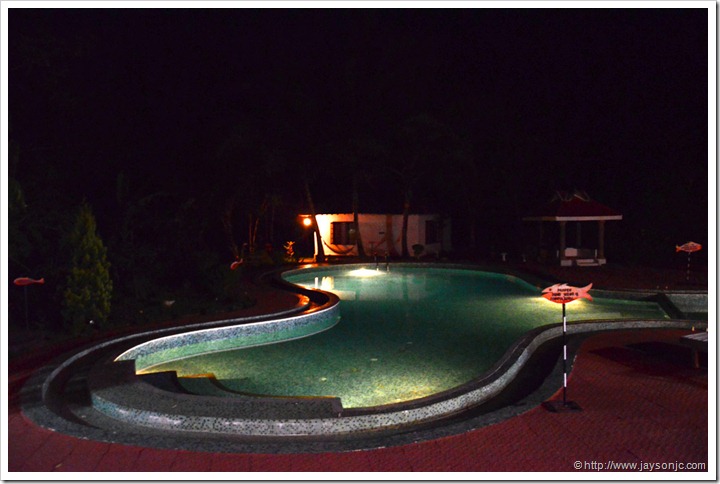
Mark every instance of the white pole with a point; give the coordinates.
(564, 356)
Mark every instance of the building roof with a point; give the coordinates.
(573, 207)
(384, 214)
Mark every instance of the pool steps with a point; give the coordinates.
(140, 404)
(132, 399)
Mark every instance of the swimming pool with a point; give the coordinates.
(98, 393)
(404, 334)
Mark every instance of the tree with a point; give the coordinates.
(37, 216)
(137, 247)
(300, 129)
(359, 159)
(365, 156)
(423, 145)
(313, 214)
(356, 215)
(89, 287)
(463, 184)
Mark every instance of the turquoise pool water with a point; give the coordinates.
(403, 334)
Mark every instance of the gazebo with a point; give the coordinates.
(575, 207)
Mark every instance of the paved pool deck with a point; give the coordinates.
(640, 405)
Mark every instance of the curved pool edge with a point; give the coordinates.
(228, 335)
(350, 421)
(193, 417)
(41, 396)
(175, 412)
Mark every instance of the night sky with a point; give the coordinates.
(203, 104)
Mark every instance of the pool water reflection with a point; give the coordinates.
(403, 334)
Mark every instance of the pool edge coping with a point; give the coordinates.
(669, 323)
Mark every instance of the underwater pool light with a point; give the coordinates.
(364, 273)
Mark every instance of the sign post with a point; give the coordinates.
(25, 282)
(563, 294)
(688, 247)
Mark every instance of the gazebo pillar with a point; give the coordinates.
(601, 239)
(578, 235)
(562, 240)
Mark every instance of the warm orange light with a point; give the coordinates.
(307, 222)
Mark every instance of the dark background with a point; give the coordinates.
(158, 117)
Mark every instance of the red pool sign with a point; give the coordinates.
(688, 247)
(562, 293)
(26, 281)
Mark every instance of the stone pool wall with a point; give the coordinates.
(127, 399)
(170, 411)
(246, 335)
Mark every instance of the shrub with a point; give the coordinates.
(86, 299)
(418, 250)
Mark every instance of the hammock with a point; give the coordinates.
(334, 248)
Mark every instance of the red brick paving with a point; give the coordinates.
(634, 409)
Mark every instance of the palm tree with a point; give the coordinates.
(361, 158)
(356, 214)
(308, 196)
(423, 144)
(464, 184)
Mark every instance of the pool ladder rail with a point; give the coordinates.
(387, 263)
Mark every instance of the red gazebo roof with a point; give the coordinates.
(573, 207)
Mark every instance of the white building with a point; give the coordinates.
(382, 234)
